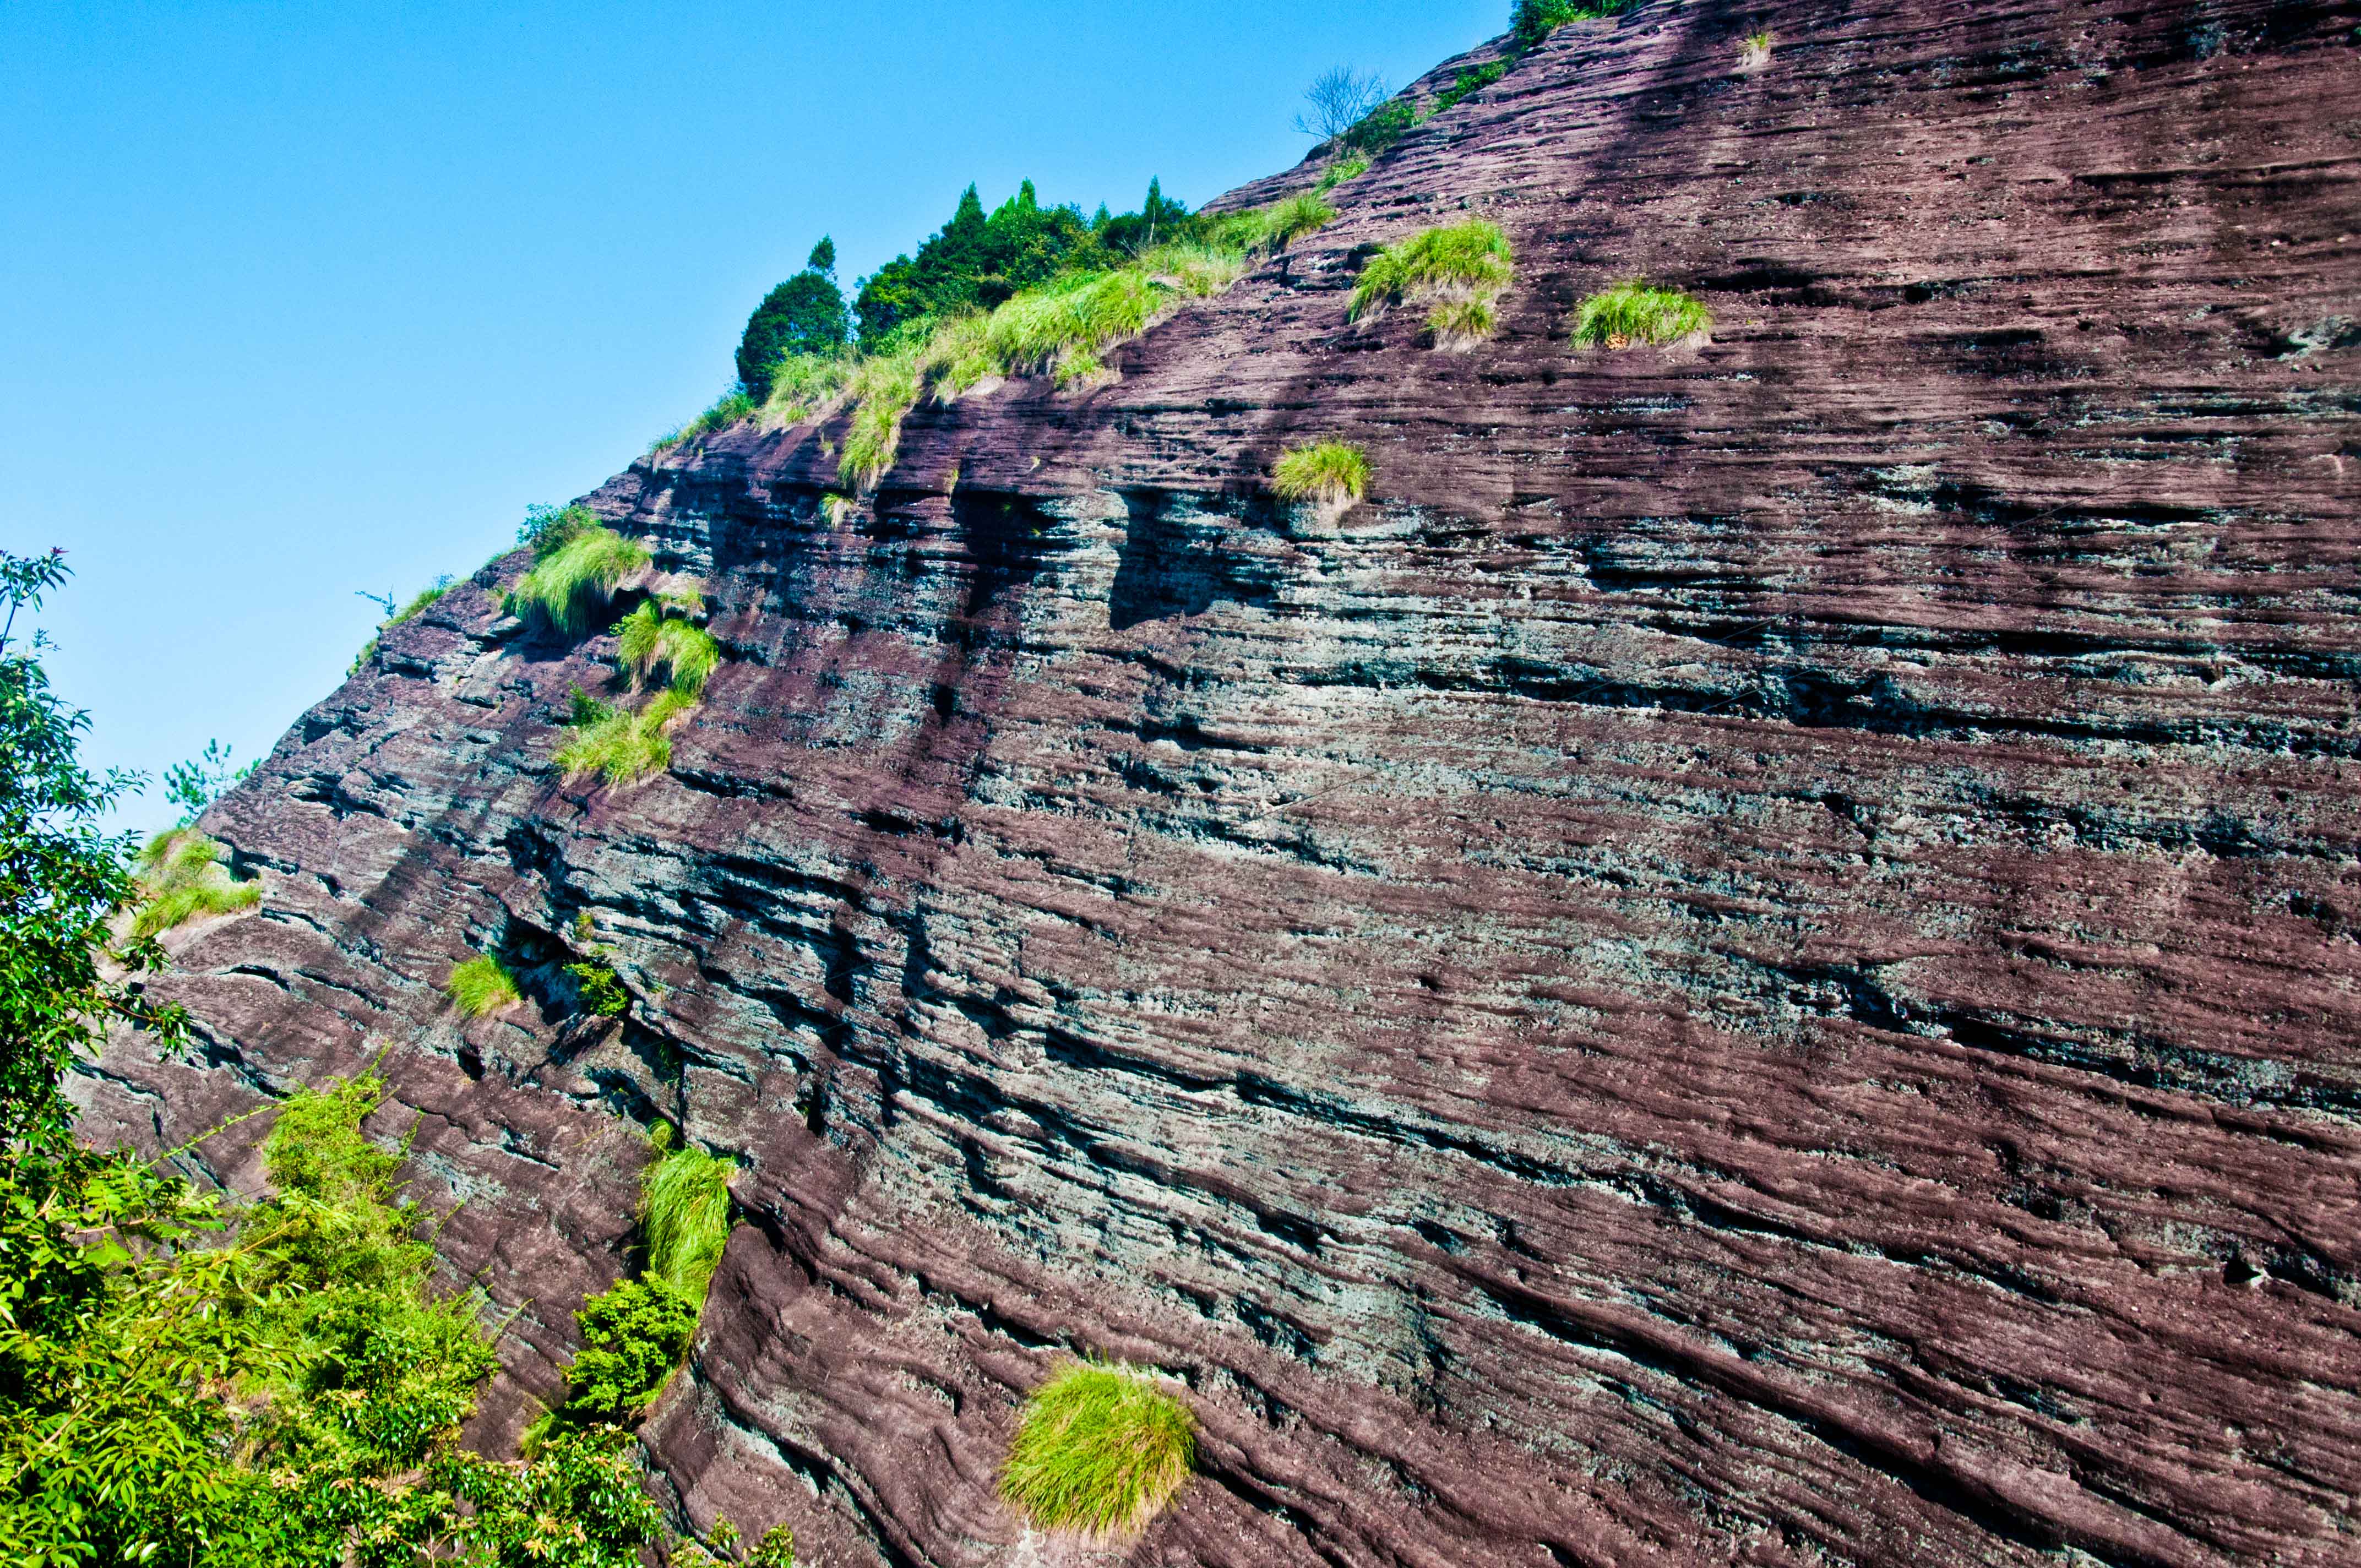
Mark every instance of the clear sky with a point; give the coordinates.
(299, 300)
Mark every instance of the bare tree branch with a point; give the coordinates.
(1339, 100)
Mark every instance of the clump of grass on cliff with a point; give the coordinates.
(1754, 50)
(482, 985)
(182, 877)
(571, 580)
(1061, 328)
(1634, 312)
(684, 1214)
(618, 744)
(727, 410)
(1327, 471)
(1533, 21)
(1460, 267)
(650, 641)
(1100, 1452)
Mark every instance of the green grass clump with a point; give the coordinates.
(564, 588)
(803, 384)
(617, 744)
(1634, 312)
(728, 410)
(1754, 50)
(1470, 82)
(651, 640)
(1327, 471)
(685, 1216)
(1062, 327)
(1459, 324)
(182, 877)
(482, 985)
(1100, 1452)
(1455, 261)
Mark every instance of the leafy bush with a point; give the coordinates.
(182, 877)
(1382, 128)
(685, 1213)
(617, 744)
(1327, 471)
(1100, 1451)
(570, 583)
(1468, 260)
(802, 318)
(481, 986)
(598, 986)
(1634, 312)
(1348, 168)
(549, 529)
(1533, 21)
(1470, 81)
(633, 1335)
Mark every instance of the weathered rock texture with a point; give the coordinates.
(1755, 960)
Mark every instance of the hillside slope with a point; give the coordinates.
(1757, 959)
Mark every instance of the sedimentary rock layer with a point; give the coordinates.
(1755, 961)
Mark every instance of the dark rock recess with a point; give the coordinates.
(1757, 961)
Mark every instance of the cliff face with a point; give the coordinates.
(1755, 961)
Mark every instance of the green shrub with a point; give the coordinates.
(1347, 168)
(1327, 471)
(1633, 312)
(182, 877)
(649, 640)
(598, 986)
(617, 744)
(1470, 82)
(1468, 260)
(684, 1215)
(548, 529)
(633, 1335)
(480, 986)
(568, 584)
(1533, 21)
(1380, 129)
(1100, 1452)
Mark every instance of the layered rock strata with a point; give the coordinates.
(1755, 961)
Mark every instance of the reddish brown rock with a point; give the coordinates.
(1755, 960)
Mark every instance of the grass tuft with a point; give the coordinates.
(685, 1217)
(1458, 261)
(1633, 312)
(653, 641)
(1100, 1452)
(728, 410)
(617, 744)
(1754, 50)
(1327, 471)
(1351, 167)
(1461, 324)
(482, 985)
(182, 877)
(803, 385)
(566, 588)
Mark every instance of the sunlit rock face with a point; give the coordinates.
(1754, 960)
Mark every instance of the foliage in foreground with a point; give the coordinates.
(1325, 471)
(1100, 1452)
(1461, 267)
(1634, 312)
(182, 877)
(63, 979)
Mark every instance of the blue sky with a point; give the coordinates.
(299, 300)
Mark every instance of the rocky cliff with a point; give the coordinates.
(1756, 960)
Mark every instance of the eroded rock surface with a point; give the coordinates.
(1755, 960)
